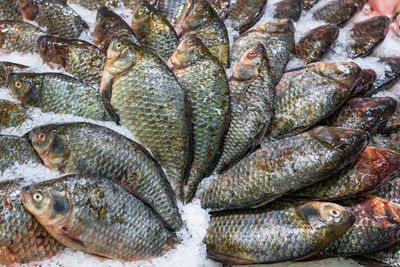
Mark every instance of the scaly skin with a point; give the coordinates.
(6, 68)
(390, 190)
(152, 105)
(388, 141)
(9, 10)
(23, 239)
(59, 93)
(367, 78)
(19, 36)
(97, 216)
(308, 4)
(315, 43)
(284, 166)
(244, 14)
(278, 39)
(252, 106)
(11, 114)
(375, 166)
(388, 78)
(393, 124)
(153, 30)
(204, 79)
(172, 10)
(222, 7)
(83, 60)
(306, 96)
(288, 9)
(95, 4)
(282, 231)
(339, 12)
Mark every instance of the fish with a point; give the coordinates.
(288, 9)
(12, 114)
(204, 22)
(19, 36)
(98, 151)
(8, 67)
(367, 35)
(388, 78)
(339, 12)
(173, 10)
(23, 239)
(373, 168)
(95, 4)
(284, 166)
(277, 37)
(16, 150)
(307, 95)
(252, 96)
(82, 59)
(390, 190)
(203, 78)
(367, 78)
(9, 10)
(73, 207)
(222, 7)
(388, 141)
(109, 26)
(312, 47)
(55, 15)
(393, 124)
(364, 113)
(385, 257)
(244, 14)
(59, 93)
(153, 30)
(152, 105)
(282, 231)
(308, 4)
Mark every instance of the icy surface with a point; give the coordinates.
(191, 251)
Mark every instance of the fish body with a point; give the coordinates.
(368, 77)
(244, 14)
(393, 124)
(308, 4)
(6, 68)
(390, 190)
(9, 10)
(11, 114)
(95, 4)
(339, 12)
(388, 78)
(173, 10)
(222, 7)
(288, 9)
(388, 141)
(389, 257)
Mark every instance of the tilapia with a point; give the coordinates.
(388, 78)
(367, 35)
(245, 13)
(95, 150)
(153, 30)
(288, 9)
(23, 239)
(55, 15)
(374, 167)
(6, 68)
(284, 166)
(204, 22)
(11, 114)
(59, 93)
(109, 26)
(367, 78)
(222, 7)
(308, 95)
(316, 43)
(95, 4)
(339, 12)
(364, 113)
(278, 39)
(308, 4)
(204, 79)
(9, 10)
(393, 124)
(252, 106)
(97, 216)
(83, 60)
(282, 231)
(172, 10)
(152, 105)
(19, 36)
(390, 190)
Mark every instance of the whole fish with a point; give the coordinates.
(6, 68)
(282, 231)
(153, 30)
(308, 4)
(109, 26)
(284, 166)
(204, 79)
(23, 239)
(388, 78)
(205, 23)
(16, 150)
(59, 93)
(95, 4)
(316, 43)
(367, 35)
(19, 36)
(375, 166)
(278, 39)
(55, 15)
(95, 150)
(11, 114)
(82, 59)
(244, 13)
(288, 9)
(152, 105)
(393, 124)
(364, 113)
(339, 12)
(367, 78)
(9, 10)
(252, 106)
(97, 216)
(306, 96)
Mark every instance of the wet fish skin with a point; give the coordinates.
(386, 80)
(389, 257)
(308, 4)
(316, 43)
(74, 207)
(374, 167)
(339, 12)
(275, 169)
(203, 78)
(19, 36)
(109, 26)
(9, 10)
(288, 9)
(6, 68)
(82, 59)
(173, 10)
(95, 4)
(368, 77)
(11, 114)
(328, 84)
(59, 93)
(222, 7)
(282, 231)
(152, 105)
(244, 14)
(393, 124)
(252, 96)
(390, 190)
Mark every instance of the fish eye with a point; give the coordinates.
(252, 55)
(140, 11)
(42, 137)
(37, 197)
(190, 42)
(119, 45)
(18, 84)
(334, 213)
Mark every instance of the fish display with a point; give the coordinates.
(244, 14)
(11, 114)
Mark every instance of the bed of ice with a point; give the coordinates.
(191, 251)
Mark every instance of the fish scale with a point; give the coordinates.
(244, 14)
(339, 12)
(11, 114)
(9, 10)
(95, 4)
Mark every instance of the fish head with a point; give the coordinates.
(25, 87)
(106, 21)
(28, 8)
(122, 55)
(142, 19)
(190, 49)
(251, 64)
(53, 49)
(201, 13)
